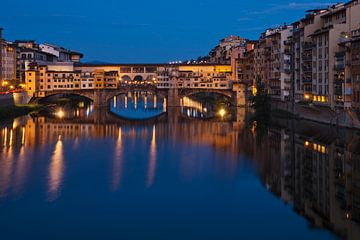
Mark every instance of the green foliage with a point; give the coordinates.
(261, 104)
(17, 111)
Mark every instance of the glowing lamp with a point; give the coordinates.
(60, 114)
(222, 112)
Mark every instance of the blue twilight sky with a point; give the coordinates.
(143, 30)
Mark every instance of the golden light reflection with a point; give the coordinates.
(115, 101)
(118, 159)
(155, 101)
(23, 136)
(11, 138)
(5, 137)
(21, 170)
(164, 105)
(188, 102)
(152, 161)
(88, 111)
(5, 172)
(126, 101)
(56, 170)
(135, 102)
(145, 102)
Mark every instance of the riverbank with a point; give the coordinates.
(325, 115)
(18, 110)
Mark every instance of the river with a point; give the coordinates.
(89, 174)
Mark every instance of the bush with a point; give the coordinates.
(17, 111)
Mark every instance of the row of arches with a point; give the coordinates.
(138, 78)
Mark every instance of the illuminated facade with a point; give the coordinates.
(222, 53)
(8, 63)
(195, 76)
(61, 77)
(273, 60)
(29, 52)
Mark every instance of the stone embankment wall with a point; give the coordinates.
(6, 100)
(339, 117)
(21, 98)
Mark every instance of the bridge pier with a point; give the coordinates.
(173, 98)
(239, 94)
(100, 98)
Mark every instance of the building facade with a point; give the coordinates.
(8, 63)
(42, 79)
(222, 53)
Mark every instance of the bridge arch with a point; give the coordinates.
(190, 92)
(126, 78)
(86, 94)
(110, 94)
(138, 78)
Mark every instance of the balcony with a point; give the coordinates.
(355, 62)
(339, 67)
(287, 52)
(340, 54)
(308, 46)
(287, 70)
(307, 69)
(307, 80)
(307, 58)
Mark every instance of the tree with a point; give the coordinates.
(261, 103)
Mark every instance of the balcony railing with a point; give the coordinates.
(307, 80)
(339, 67)
(307, 58)
(308, 46)
(340, 54)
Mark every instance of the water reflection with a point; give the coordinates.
(138, 105)
(312, 168)
(118, 161)
(152, 161)
(56, 170)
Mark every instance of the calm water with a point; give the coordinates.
(92, 175)
(138, 105)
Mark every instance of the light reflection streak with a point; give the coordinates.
(188, 102)
(5, 137)
(56, 170)
(20, 171)
(11, 138)
(23, 136)
(118, 158)
(152, 161)
(164, 104)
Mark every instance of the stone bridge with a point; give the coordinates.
(102, 97)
